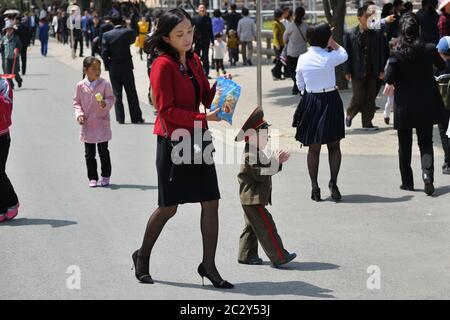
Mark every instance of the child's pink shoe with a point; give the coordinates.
(12, 212)
(104, 182)
(92, 183)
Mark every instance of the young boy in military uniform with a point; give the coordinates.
(255, 179)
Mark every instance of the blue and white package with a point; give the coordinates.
(226, 98)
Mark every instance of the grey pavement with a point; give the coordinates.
(64, 223)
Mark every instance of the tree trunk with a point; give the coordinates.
(335, 11)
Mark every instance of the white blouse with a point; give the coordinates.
(315, 68)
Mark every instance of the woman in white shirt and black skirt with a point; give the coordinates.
(319, 118)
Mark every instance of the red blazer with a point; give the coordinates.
(174, 94)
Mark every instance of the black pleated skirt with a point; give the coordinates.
(321, 118)
(184, 183)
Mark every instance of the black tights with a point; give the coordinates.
(209, 223)
(334, 158)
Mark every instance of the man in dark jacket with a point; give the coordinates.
(117, 58)
(23, 32)
(429, 19)
(203, 36)
(364, 66)
(232, 18)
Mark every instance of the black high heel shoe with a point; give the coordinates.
(335, 194)
(315, 194)
(144, 278)
(222, 284)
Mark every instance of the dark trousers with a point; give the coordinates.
(203, 52)
(291, 66)
(8, 68)
(77, 39)
(119, 80)
(276, 71)
(363, 100)
(425, 141)
(91, 162)
(86, 38)
(8, 197)
(33, 35)
(23, 57)
(233, 55)
(44, 47)
(259, 226)
(219, 65)
(443, 126)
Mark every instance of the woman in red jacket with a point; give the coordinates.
(179, 86)
(9, 204)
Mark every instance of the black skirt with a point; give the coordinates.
(184, 183)
(321, 118)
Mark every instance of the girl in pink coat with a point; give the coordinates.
(92, 102)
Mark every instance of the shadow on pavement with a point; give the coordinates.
(366, 198)
(30, 89)
(307, 266)
(441, 191)
(36, 74)
(38, 222)
(130, 186)
(360, 131)
(297, 288)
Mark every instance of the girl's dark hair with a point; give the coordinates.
(155, 45)
(299, 15)
(278, 13)
(319, 35)
(217, 13)
(88, 62)
(409, 41)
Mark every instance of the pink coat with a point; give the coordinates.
(97, 126)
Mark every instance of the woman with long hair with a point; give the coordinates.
(418, 103)
(179, 86)
(295, 40)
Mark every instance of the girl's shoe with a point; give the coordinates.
(315, 194)
(142, 276)
(92, 183)
(12, 212)
(104, 181)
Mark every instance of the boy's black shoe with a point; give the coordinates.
(253, 261)
(289, 257)
(446, 168)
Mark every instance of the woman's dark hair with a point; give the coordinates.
(299, 15)
(278, 13)
(245, 11)
(217, 13)
(387, 9)
(408, 6)
(319, 35)
(409, 41)
(88, 62)
(155, 45)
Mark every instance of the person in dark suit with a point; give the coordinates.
(232, 18)
(33, 25)
(417, 99)
(364, 66)
(23, 32)
(105, 26)
(204, 36)
(117, 58)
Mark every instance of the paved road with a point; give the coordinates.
(62, 222)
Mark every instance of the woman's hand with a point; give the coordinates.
(212, 116)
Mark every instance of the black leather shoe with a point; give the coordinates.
(289, 258)
(407, 188)
(335, 194)
(429, 187)
(139, 121)
(141, 275)
(445, 168)
(253, 261)
(315, 194)
(120, 122)
(348, 122)
(222, 284)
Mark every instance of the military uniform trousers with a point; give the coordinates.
(260, 227)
